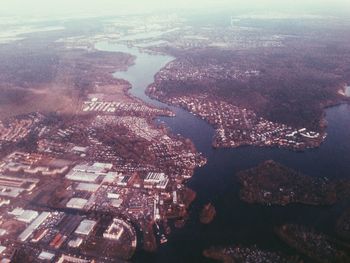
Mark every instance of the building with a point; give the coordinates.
(103, 166)
(79, 149)
(4, 202)
(162, 184)
(76, 242)
(123, 180)
(158, 180)
(2, 249)
(39, 235)
(88, 173)
(87, 187)
(33, 226)
(77, 175)
(11, 186)
(155, 178)
(111, 177)
(77, 203)
(85, 227)
(44, 255)
(73, 259)
(25, 216)
(2, 232)
(116, 202)
(115, 230)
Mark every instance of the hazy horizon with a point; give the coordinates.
(110, 7)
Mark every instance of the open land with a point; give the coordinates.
(45, 76)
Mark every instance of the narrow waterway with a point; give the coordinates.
(236, 222)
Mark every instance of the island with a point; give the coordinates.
(271, 183)
(315, 245)
(240, 254)
(343, 225)
(207, 214)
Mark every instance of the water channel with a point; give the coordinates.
(237, 222)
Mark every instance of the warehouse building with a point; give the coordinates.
(85, 227)
(77, 203)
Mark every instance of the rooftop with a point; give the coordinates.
(85, 227)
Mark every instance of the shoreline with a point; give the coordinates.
(151, 244)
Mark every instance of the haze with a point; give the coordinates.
(108, 7)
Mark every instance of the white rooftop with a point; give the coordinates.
(77, 203)
(87, 187)
(2, 249)
(85, 227)
(44, 255)
(79, 149)
(26, 216)
(2, 231)
(77, 175)
(103, 165)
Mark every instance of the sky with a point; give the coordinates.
(106, 7)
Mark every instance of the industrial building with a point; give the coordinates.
(25, 216)
(73, 259)
(87, 187)
(88, 173)
(44, 255)
(2, 249)
(77, 203)
(14, 186)
(79, 149)
(114, 231)
(75, 242)
(85, 227)
(2, 232)
(82, 176)
(155, 178)
(159, 180)
(33, 226)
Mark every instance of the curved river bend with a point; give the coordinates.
(236, 222)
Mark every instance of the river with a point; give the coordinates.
(237, 222)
